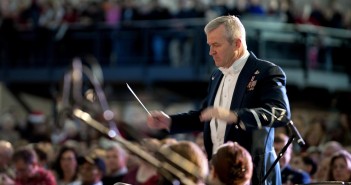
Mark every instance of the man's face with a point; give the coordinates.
(24, 170)
(68, 161)
(221, 50)
(90, 173)
(113, 160)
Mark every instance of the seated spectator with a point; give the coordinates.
(116, 164)
(330, 147)
(340, 167)
(315, 133)
(37, 128)
(315, 153)
(45, 153)
(231, 165)
(322, 170)
(304, 163)
(143, 173)
(6, 172)
(8, 130)
(91, 170)
(289, 175)
(66, 165)
(28, 172)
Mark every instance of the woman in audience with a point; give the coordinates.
(231, 165)
(340, 167)
(143, 173)
(66, 165)
(315, 134)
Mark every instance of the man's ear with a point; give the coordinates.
(238, 43)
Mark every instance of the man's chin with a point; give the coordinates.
(217, 63)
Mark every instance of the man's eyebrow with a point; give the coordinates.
(213, 43)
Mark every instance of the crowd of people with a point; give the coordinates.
(24, 165)
(69, 163)
(49, 20)
(50, 14)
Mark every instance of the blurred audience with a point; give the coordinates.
(8, 130)
(27, 169)
(38, 129)
(289, 175)
(116, 164)
(329, 148)
(65, 165)
(7, 174)
(322, 170)
(304, 163)
(315, 133)
(144, 173)
(45, 153)
(92, 168)
(340, 167)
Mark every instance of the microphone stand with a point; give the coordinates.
(280, 155)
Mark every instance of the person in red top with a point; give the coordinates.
(144, 173)
(27, 170)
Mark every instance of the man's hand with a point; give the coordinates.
(219, 113)
(158, 120)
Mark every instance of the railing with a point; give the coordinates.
(169, 50)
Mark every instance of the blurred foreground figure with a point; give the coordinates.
(231, 165)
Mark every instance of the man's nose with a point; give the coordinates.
(211, 52)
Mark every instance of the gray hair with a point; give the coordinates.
(233, 26)
(121, 150)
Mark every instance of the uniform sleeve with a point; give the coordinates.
(271, 107)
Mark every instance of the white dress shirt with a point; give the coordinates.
(224, 98)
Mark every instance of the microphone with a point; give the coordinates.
(296, 133)
(280, 115)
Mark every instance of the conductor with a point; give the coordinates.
(246, 96)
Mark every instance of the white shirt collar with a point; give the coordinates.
(237, 65)
(122, 171)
